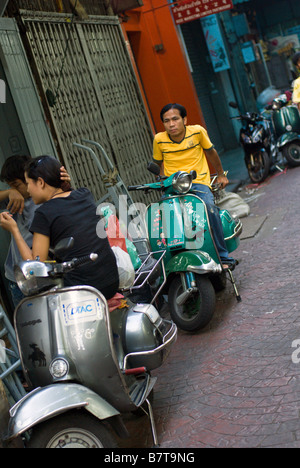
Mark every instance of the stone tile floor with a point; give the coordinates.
(234, 383)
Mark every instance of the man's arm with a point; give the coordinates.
(158, 157)
(215, 161)
(161, 165)
(296, 93)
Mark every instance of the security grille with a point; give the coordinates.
(87, 67)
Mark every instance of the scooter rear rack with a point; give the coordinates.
(143, 273)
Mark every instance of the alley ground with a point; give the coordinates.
(234, 384)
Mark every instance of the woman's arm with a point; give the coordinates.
(40, 244)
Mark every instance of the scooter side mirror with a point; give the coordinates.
(63, 246)
(153, 168)
(193, 174)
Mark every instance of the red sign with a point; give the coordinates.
(189, 11)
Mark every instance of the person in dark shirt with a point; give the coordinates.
(65, 213)
(21, 206)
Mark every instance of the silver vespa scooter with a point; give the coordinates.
(86, 365)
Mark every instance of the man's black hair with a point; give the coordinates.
(14, 168)
(179, 107)
(296, 58)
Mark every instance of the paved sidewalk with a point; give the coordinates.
(234, 384)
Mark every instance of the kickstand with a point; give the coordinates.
(232, 280)
(152, 423)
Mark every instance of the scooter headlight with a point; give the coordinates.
(182, 182)
(257, 135)
(279, 102)
(245, 138)
(59, 368)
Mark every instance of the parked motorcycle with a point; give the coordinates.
(178, 224)
(264, 136)
(256, 140)
(286, 124)
(86, 365)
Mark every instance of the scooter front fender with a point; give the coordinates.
(45, 403)
(287, 138)
(194, 261)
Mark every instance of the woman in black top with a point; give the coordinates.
(65, 213)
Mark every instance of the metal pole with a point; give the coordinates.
(264, 63)
(3, 5)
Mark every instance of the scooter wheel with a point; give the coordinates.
(261, 168)
(198, 311)
(75, 429)
(291, 152)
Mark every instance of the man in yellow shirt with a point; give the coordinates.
(186, 148)
(296, 91)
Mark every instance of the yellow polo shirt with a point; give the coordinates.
(296, 91)
(187, 155)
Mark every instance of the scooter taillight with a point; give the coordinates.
(135, 371)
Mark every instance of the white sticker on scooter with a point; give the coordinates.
(82, 312)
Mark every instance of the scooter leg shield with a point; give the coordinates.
(194, 261)
(287, 138)
(45, 403)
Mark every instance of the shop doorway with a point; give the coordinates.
(214, 89)
(12, 142)
(23, 128)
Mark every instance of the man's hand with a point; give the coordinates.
(16, 202)
(222, 180)
(215, 161)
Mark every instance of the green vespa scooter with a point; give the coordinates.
(178, 224)
(286, 125)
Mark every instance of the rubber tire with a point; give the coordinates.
(78, 419)
(206, 309)
(287, 152)
(257, 179)
(219, 281)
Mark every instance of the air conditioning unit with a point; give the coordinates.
(119, 6)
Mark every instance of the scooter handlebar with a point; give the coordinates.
(145, 188)
(59, 269)
(131, 188)
(83, 260)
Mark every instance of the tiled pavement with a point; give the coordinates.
(234, 384)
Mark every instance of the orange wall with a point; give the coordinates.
(165, 74)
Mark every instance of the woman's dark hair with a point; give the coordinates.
(48, 169)
(14, 168)
(174, 105)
